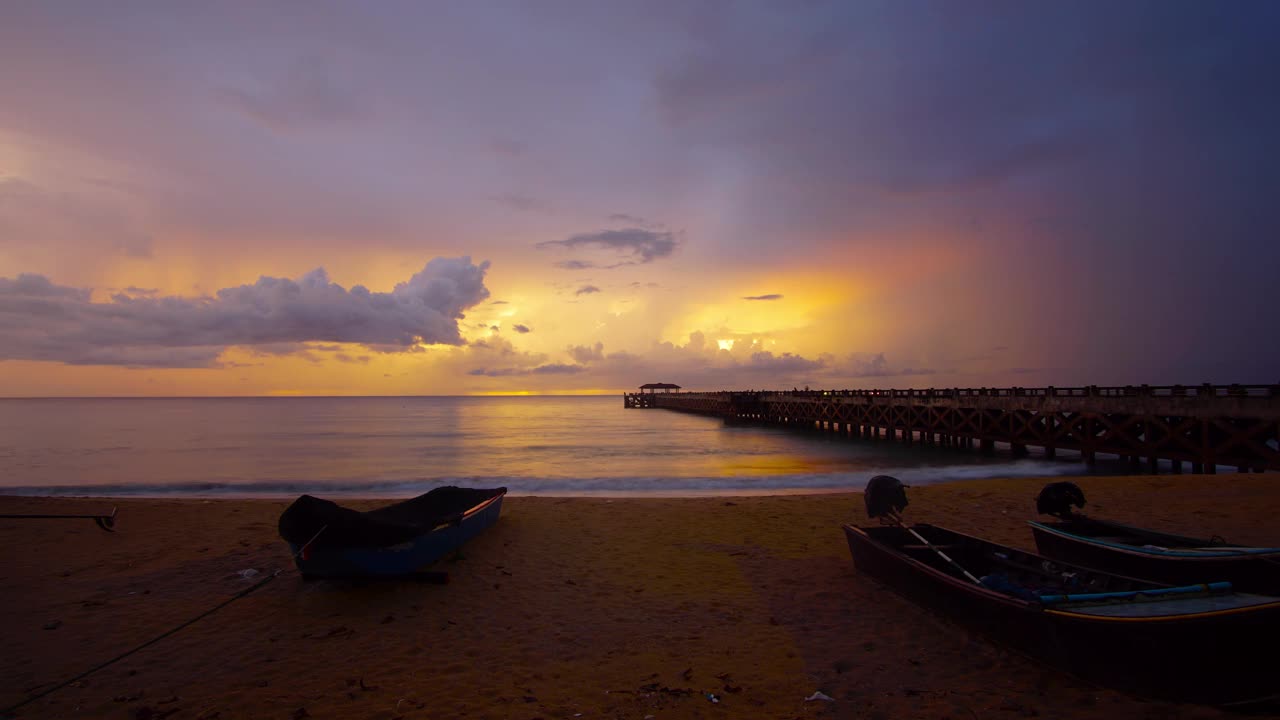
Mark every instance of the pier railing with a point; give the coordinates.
(1205, 425)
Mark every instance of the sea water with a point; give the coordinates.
(403, 446)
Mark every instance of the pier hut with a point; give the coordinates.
(644, 398)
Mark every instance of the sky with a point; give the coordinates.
(403, 198)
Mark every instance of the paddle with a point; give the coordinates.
(886, 497)
(106, 522)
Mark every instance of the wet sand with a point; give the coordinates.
(568, 607)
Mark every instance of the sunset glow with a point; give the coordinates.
(832, 197)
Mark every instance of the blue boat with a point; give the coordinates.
(400, 540)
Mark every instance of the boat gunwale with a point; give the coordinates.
(1012, 602)
(1240, 552)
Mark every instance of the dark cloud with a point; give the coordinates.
(586, 290)
(786, 362)
(772, 296)
(43, 321)
(522, 329)
(639, 246)
(583, 354)
(575, 265)
(627, 219)
(548, 369)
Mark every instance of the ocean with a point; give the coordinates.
(403, 446)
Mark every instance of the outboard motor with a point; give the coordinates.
(884, 496)
(1057, 498)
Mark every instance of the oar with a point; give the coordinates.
(106, 522)
(898, 521)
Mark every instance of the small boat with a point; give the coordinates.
(1204, 643)
(399, 540)
(1139, 552)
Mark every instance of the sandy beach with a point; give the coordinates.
(568, 607)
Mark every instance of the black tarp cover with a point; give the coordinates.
(390, 525)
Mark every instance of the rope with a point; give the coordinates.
(146, 644)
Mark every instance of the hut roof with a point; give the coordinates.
(659, 386)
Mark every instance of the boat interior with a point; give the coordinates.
(1016, 572)
(1060, 586)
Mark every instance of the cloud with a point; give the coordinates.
(873, 365)
(587, 290)
(583, 355)
(522, 329)
(627, 219)
(772, 296)
(524, 203)
(548, 369)
(43, 321)
(311, 93)
(786, 362)
(637, 245)
(700, 363)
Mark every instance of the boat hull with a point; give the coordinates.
(402, 559)
(1256, 572)
(1202, 657)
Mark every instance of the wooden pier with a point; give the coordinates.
(1204, 425)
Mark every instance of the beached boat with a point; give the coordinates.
(1200, 643)
(1128, 550)
(402, 539)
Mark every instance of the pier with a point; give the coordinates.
(1205, 426)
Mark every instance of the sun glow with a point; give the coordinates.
(725, 344)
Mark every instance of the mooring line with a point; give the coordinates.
(146, 644)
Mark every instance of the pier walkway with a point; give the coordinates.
(1204, 425)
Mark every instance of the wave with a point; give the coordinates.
(782, 484)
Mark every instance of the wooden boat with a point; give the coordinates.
(1202, 643)
(1205, 643)
(1128, 550)
(399, 540)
